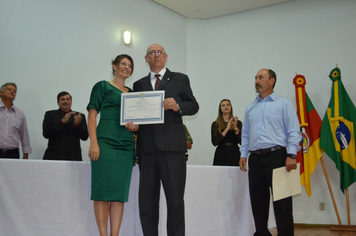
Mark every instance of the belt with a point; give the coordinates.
(9, 151)
(265, 151)
(227, 144)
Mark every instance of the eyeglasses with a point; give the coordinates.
(153, 53)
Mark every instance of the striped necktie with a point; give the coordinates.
(157, 81)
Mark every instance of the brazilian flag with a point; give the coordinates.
(337, 136)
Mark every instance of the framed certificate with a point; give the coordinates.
(142, 107)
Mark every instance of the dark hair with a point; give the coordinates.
(220, 119)
(118, 60)
(61, 94)
(271, 75)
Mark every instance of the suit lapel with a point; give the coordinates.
(60, 113)
(166, 78)
(147, 83)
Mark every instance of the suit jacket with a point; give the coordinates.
(63, 141)
(169, 136)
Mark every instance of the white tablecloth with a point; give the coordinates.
(50, 198)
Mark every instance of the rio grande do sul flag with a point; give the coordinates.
(310, 124)
(337, 137)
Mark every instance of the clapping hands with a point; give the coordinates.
(233, 124)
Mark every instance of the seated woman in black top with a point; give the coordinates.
(225, 132)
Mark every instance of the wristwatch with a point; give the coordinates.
(291, 155)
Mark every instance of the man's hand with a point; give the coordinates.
(131, 127)
(67, 116)
(189, 145)
(170, 103)
(77, 119)
(291, 164)
(242, 163)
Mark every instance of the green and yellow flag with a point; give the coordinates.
(337, 136)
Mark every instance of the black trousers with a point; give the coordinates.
(168, 168)
(10, 153)
(260, 182)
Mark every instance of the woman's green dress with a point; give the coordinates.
(111, 173)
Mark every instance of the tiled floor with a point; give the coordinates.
(317, 231)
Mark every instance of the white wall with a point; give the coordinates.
(47, 47)
(50, 46)
(308, 37)
(224, 54)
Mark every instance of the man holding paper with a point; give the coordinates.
(270, 128)
(161, 148)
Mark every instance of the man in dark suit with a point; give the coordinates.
(64, 128)
(161, 148)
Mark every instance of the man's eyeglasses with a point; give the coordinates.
(153, 53)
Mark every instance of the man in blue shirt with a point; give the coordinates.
(270, 128)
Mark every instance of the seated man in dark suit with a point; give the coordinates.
(64, 128)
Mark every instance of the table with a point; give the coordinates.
(44, 198)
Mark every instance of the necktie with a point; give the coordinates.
(157, 81)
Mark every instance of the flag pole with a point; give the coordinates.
(330, 190)
(348, 207)
(340, 227)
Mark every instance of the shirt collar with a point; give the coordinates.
(162, 72)
(65, 112)
(271, 97)
(2, 105)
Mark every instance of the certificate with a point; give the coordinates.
(142, 107)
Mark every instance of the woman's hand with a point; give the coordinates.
(234, 125)
(94, 151)
(228, 127)
(229, 124)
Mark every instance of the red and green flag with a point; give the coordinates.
(337, 137)
(310, 125)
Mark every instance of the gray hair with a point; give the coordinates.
(4, 86)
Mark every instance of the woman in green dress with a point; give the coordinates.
(112, 147)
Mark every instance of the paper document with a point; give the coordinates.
(285, 184)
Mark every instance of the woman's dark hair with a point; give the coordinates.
(118, 60)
